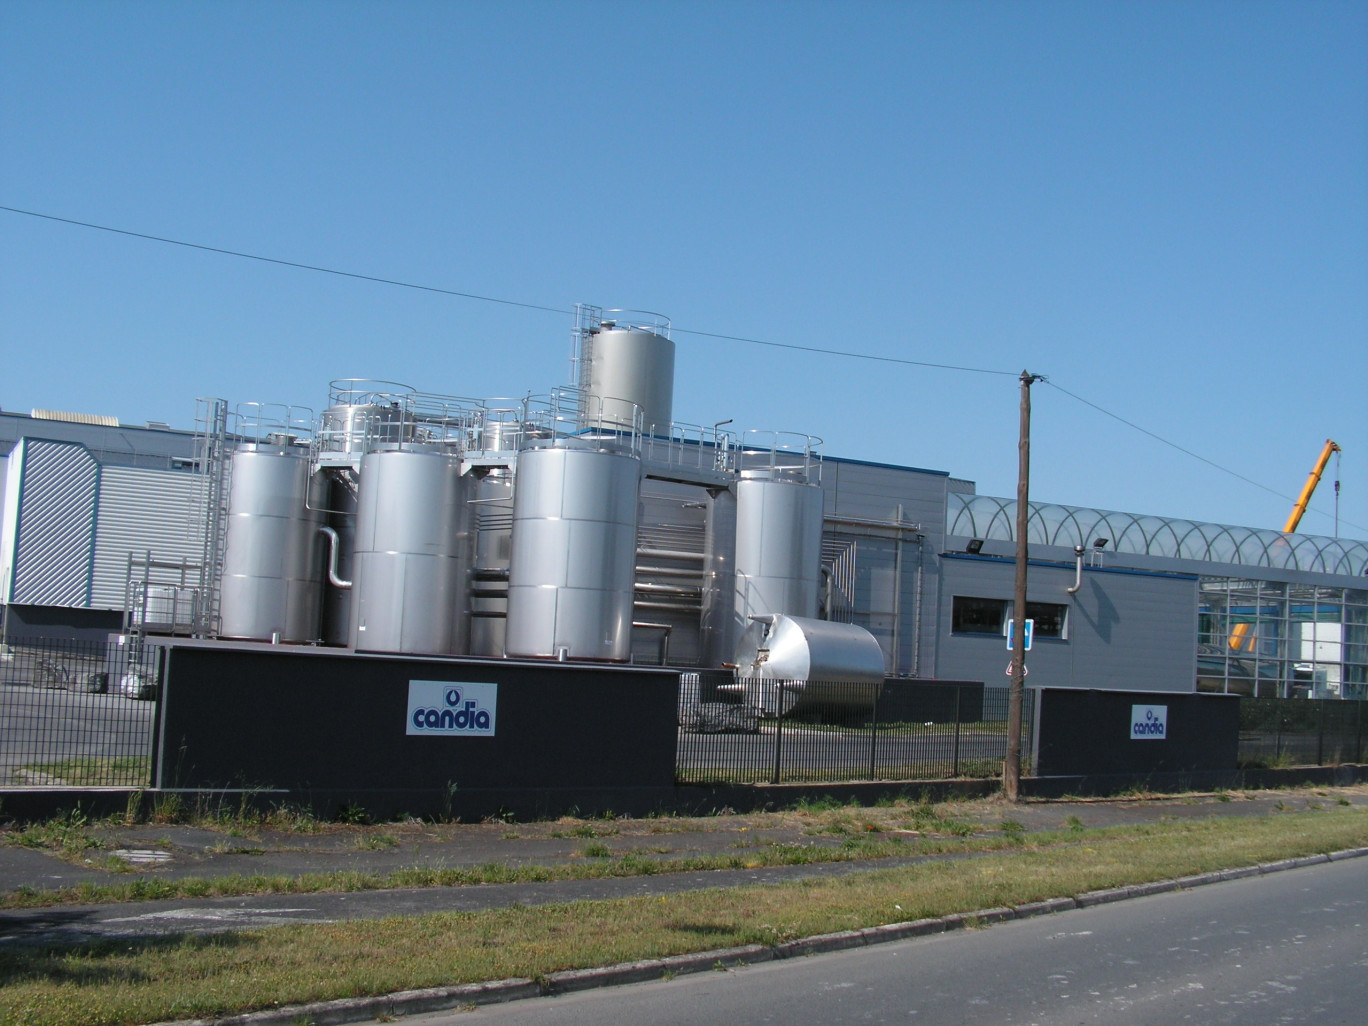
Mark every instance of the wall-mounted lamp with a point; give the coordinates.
(1100, 543)
(974, 547)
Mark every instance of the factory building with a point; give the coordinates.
(588, 525)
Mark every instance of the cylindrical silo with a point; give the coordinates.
(624, 369)
(574, 553)
(412, 547)
(273, 554)
(778, 546)
(492, 521)
(356, 429)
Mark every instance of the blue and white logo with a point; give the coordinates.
(1149, 723)
(452, 709)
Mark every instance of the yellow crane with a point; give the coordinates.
(1304, 499)
(1243, 631)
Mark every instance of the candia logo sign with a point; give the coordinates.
(452, 709)
(1149, 722)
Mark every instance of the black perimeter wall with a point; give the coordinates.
(1088, 733)
(328, 729)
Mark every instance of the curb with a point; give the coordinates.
(437, 999)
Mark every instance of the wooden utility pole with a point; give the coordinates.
(1011, 766)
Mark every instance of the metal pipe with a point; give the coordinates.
(897, 604)
(669, 571)
(906, 528)
(1078, 571)
(670, 607)
(333, 546)
(667, 589)
(671, 554)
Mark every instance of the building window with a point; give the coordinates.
(1050, 619)
(990, 616)
(978, 615)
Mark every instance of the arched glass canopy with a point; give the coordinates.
(990, 518)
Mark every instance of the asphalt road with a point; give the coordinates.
(1290, 947)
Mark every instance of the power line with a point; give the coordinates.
(687, 331)
(290, 263)
(1185, 452)
(486, 299)
(845, 353)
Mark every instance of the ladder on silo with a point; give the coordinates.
(213, 467)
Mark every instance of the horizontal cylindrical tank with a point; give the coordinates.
(411, 554)
(273, 554)
(574, 553)
(629, 369)
(825, 663)
(778, 547)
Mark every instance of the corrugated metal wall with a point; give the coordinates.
(77, 522)
(58, 491)
(141, 510)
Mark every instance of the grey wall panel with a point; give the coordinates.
(59, 484)
(1126, 631)
(141, 510)
(874, 492)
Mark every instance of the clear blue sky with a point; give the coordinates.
(1163, 207)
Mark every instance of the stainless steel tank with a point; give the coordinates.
(628, 368)
(412, 551)
(824, 663)
(492, 516)
(355, 430)
(778, 546)
(273, 554)
(574, 553)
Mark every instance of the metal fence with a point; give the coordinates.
(750, 731)
(1302, 732)
(76, 714)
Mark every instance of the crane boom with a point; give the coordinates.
(1242, 634)
(1304, 499)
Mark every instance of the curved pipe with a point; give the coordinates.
(1078, 571)
(334, 544)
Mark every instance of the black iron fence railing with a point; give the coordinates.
(1276, 732)
(76, 714)
(752, 731)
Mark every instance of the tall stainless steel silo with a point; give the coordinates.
(778, 546)
(273, 554)
(574, 553)
(412, 549)
(626, 367)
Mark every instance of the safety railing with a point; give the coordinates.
(77, 714)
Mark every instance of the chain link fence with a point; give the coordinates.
(77, 714)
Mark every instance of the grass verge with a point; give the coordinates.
(149, 981)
